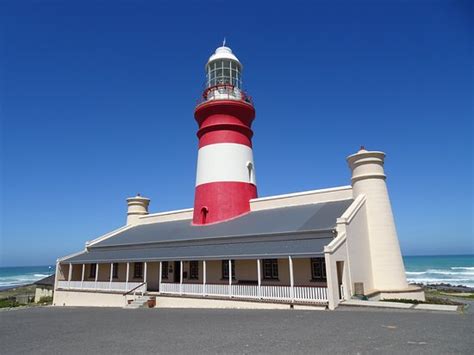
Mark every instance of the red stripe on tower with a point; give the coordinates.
(225, 178)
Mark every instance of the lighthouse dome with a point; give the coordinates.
(223, 68)
(223, 53)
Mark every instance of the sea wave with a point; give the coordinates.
(441, 272)
(462, 268)
(21, 279)
(436, 281)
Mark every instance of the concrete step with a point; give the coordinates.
(140, 302)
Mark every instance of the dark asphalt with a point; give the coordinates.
(345, 331)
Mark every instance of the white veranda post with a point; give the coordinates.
(111, 274)
(292, 279)
(181, 277)
(69, 276)
(126, 276)
(230, 278)
(204, 277)
(144, 272)
(82, 275)
(96, 275)
(160, 273)
(259, 278)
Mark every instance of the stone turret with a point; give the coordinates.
(137, 207)
(368, 178)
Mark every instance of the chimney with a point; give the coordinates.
(137, 207)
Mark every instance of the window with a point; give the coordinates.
(92, 271)
(164, 270)
(270, 269)
(318, 269)
(250, 171)
(115, 271)
(204, 212)
(223, 72)
(225, 269)
(137, 270)
(194, 270)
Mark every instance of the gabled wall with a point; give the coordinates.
(359, 250)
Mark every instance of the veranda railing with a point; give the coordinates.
(284, 293)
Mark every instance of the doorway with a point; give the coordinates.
(340, 275)
(177, 272)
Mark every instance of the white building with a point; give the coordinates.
(313, 247)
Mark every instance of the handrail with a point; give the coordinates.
(228, 89)
(133, 289)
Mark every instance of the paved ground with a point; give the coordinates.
(100, 330)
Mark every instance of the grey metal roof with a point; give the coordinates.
(234, 250)
(320, 216)
(296, 230)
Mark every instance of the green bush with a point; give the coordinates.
(8, 303)
(46, 300)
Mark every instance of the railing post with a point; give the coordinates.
(181, 277)
(230, 278)
(144, 271)
(69, 276)
(204, 278)
(82, 275)
(96, 275)
(160, 273)
(292, 280)
(111, 275)
(126, 277)
(259, 278)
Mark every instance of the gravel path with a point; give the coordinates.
(55, 330)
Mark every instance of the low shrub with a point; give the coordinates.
(8, 303)
(46, 300)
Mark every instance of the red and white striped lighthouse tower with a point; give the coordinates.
(225, 178)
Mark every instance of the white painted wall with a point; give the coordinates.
(167, 216)
(88, 299)
(225, 162)
(358, 248)
(301, 198)
(182, 302)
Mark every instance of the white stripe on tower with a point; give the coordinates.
(225, 162)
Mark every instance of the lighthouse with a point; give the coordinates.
(225, 177)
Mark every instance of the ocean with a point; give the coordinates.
(23, 275)
(449, 269)
(452, 269)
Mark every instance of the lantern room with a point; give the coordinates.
(223, 68)
(224, 76)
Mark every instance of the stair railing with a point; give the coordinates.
(134, 290)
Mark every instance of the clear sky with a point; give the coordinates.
(97, 102)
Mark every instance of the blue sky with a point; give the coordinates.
(97, 104)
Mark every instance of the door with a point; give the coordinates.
(177, 271)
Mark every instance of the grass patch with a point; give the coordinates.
(468, 296)
(20, 290)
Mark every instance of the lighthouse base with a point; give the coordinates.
(220, 201)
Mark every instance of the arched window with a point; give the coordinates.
(250, 171)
